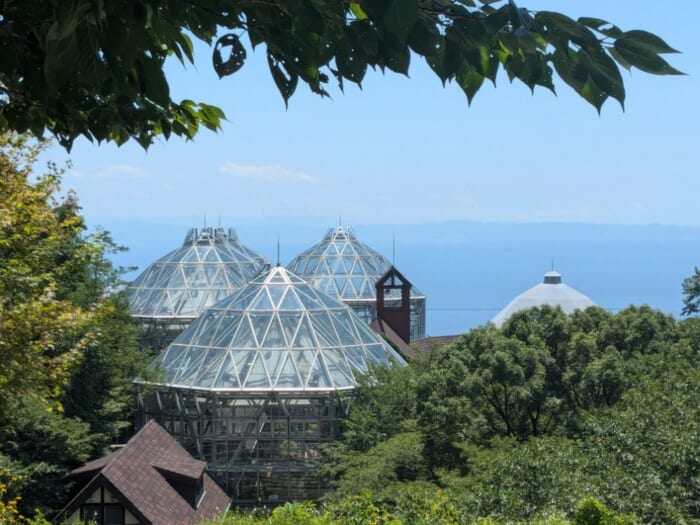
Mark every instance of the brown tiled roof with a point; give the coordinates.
(94, 465)
(427, 344)
(382, 327)
(134, 473)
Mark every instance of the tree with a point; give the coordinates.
(69, 348)
(95, 68)
(691, 293)
(41, 335)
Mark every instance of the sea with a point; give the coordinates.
(470, 270)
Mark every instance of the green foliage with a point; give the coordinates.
(399, 458)
(691, 293)
(591, 511)
(42, 334)
(41, 446)
(95, 68)
(69, 347)
(525, 422)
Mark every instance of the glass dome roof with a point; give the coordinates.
(277, 334)
(210, 265)
(344, 267)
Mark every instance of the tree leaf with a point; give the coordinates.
(397, 58)
(648, 40)
(152, 81)
(424, 38)
(642, 57)
(602, 26)
(236, 56)
(285, 80)
(400, 18)
(356, 10)
(470, 80)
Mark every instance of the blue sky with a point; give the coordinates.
(407, 150)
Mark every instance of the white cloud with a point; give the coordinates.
(75, 173)
(127, 170)
(266, 173)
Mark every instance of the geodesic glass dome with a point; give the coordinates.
(344, 267)
(278, 334)
(255, 385)
(210, 265)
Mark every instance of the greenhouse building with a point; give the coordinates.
(174, 290)
(257, 383)
(344, 267)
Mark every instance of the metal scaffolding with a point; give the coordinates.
(261, 448)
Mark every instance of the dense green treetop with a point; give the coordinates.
(95, 68)
(522, 422)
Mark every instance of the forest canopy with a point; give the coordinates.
(95, 68)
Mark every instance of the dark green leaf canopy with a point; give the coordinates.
(95, 68)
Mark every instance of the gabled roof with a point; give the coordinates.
(210, 265)
(136, 475)
(343, 266)
(551, 291)
(277, 334)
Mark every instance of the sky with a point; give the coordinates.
(407, 150)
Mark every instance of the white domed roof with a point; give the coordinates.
(277, 334)
(210, 265)
(550, 292)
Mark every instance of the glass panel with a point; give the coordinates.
(177, 302)
(366, 334)
(225, 336)
(210, 271)
(261, 302)
(338, 368)
(227, 375)
(344, 325)
(273, 362)
(207, 326)
(190, 368)
(212, 256)
(290, 322)
(323, 328)
(311, 266)
(197, 278)
(244, 337)
(290, 301)
(378, 354)
(304, 337)
(190, 257)
(257, 378)
(177, 279)
(276, 294)
(303, 360)
(197, 297)
(210, 369)
(275, 335)
(260, 322)
(288, 376)
(243, 361)
(356, 358)
(318, 377)
(172, 355)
